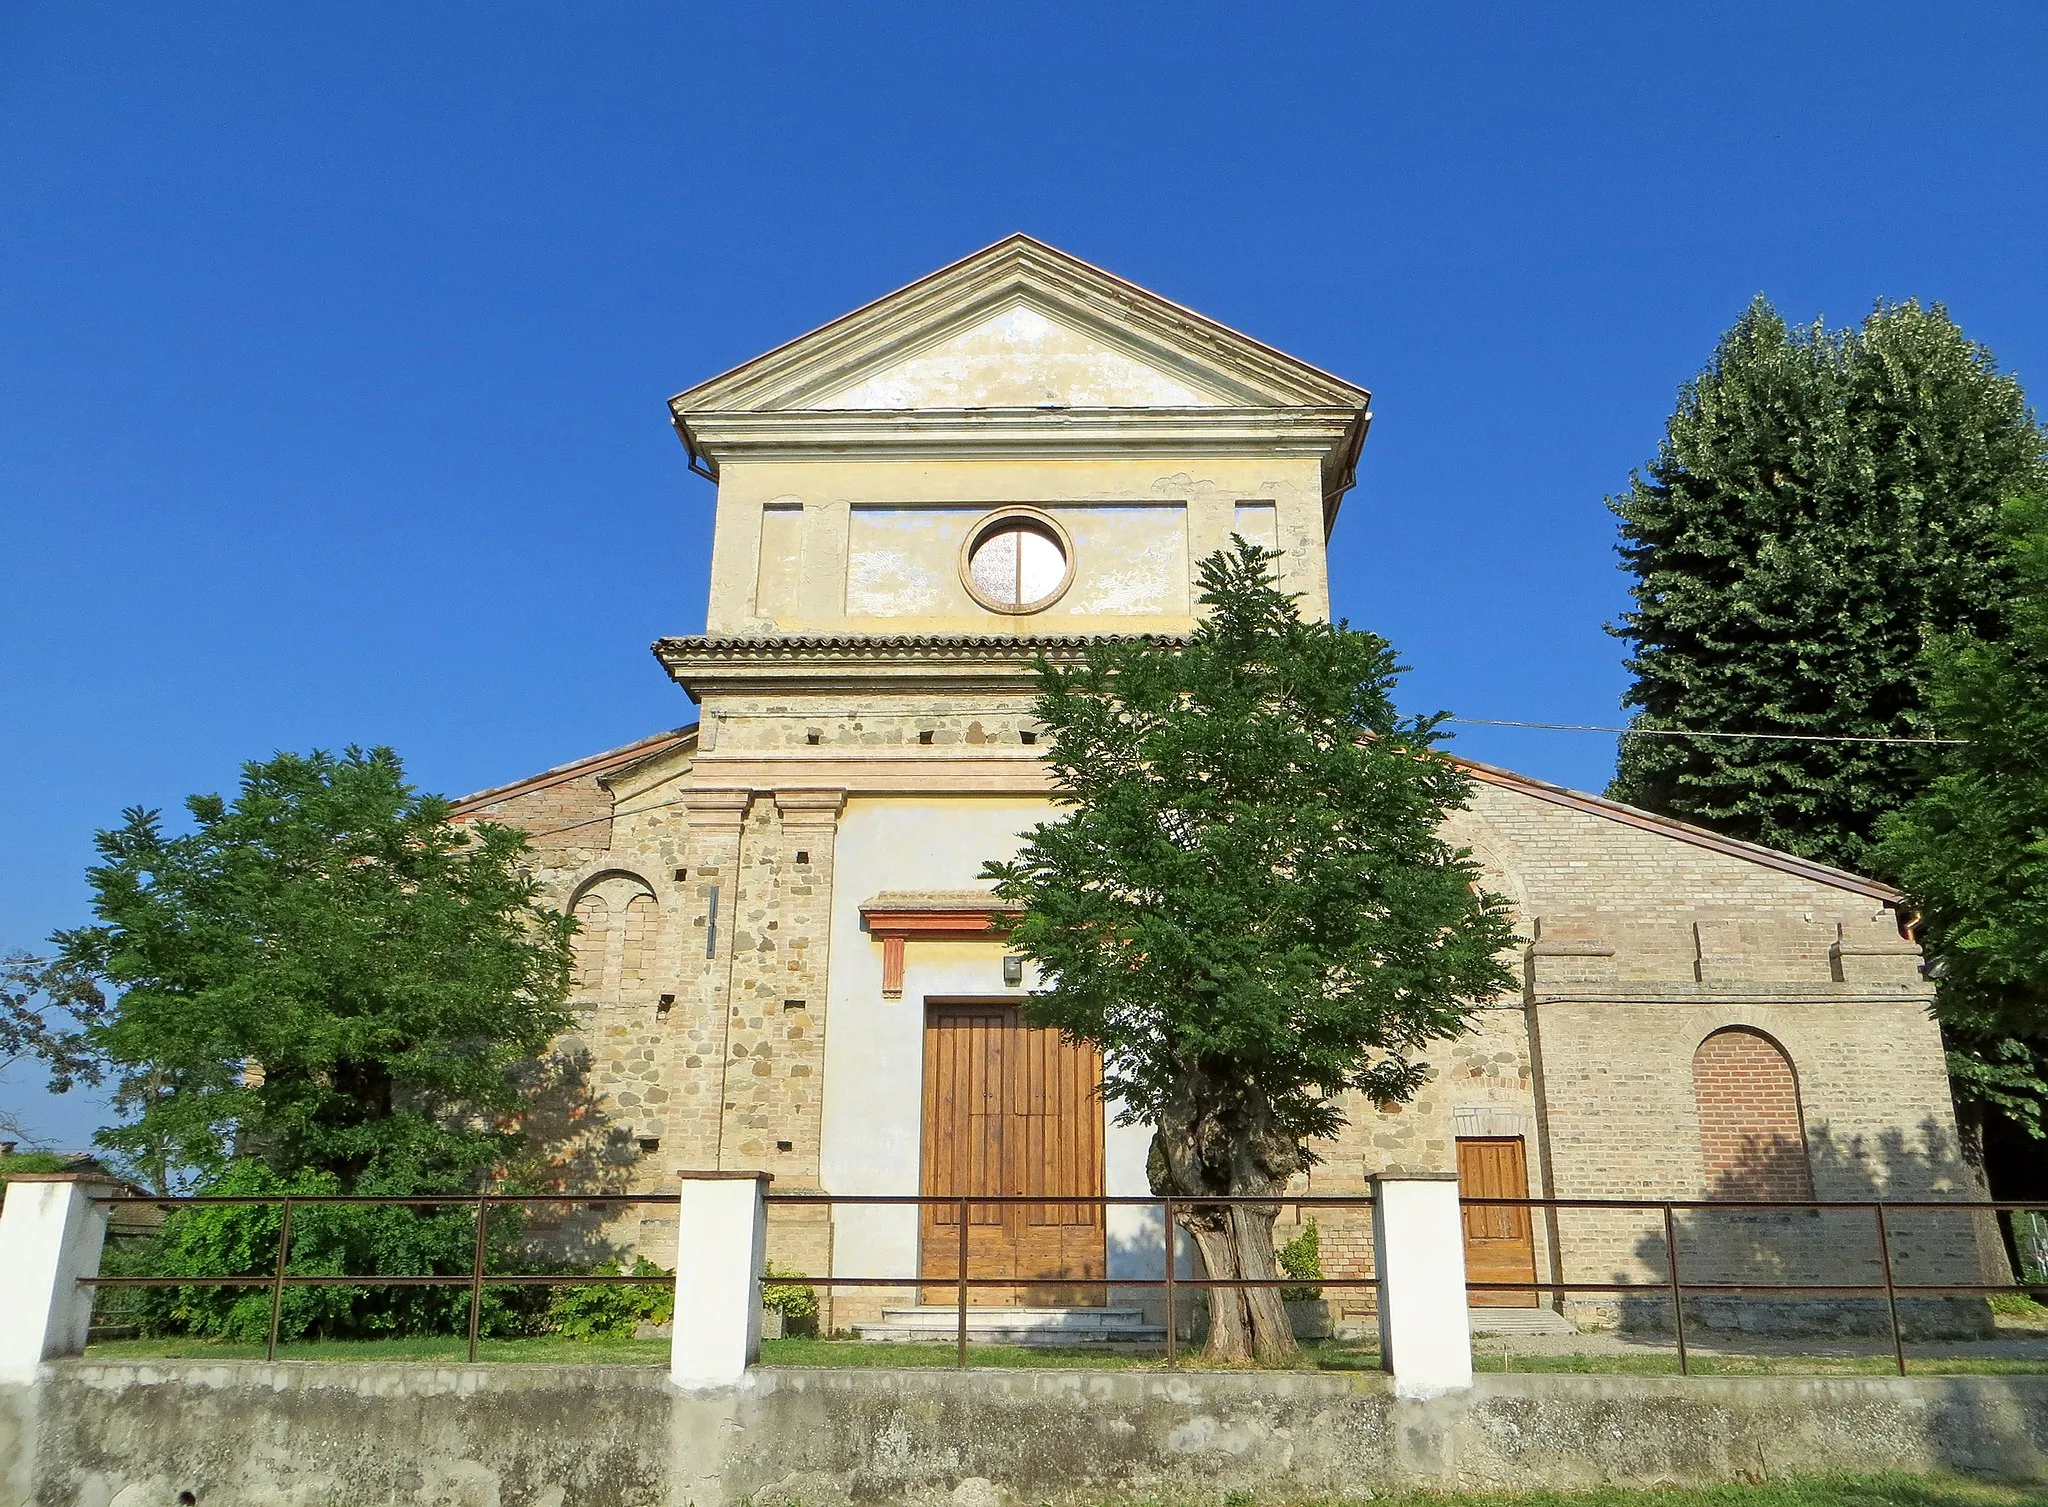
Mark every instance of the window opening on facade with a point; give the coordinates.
(1018, 561)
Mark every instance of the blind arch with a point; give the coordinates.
(1752, 1131)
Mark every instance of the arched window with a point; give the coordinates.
(1752, 1137)
(593, 934)
(617, 918)
(636, 954)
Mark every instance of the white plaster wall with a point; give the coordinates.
(874, 1047)
(1131, 561)
(1137, 1238)
(829, 489)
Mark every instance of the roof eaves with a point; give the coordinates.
(710, 644)
(611, 761)
(1650, 821)
(688, 739)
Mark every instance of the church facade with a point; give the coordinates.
(786, 960)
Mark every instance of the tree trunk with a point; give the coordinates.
(1998, 1252)
(1245, 1323)
(1213, 1143)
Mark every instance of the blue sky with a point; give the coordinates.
(334, 339)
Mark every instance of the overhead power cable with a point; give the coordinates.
(1681, 732)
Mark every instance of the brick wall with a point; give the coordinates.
(1752, 1140)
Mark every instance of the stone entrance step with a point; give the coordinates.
(934, 1323)
(1521, 1321)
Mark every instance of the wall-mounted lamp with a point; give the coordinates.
(1013, 970)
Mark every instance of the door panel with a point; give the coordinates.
(1499, 1245)
(1010, 1109)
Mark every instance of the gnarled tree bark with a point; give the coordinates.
(1215, 1140)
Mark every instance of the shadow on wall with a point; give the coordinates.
(1826, 1246)
(573, 1146)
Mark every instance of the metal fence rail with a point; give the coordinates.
(476, 1280)
(1674, 1288)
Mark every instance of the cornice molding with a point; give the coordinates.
(955, 916)
(870, 646)
(840, 663)
(1680, 993)
(887, 770)
(1017, 270)
(1046, 431)
(1332, 436)
(810, 805)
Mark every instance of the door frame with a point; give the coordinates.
(1517, 1222)
(938, 1229)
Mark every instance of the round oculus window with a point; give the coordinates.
(1018, 562)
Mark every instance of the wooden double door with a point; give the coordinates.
(1011, 1109)
(1499, 1241)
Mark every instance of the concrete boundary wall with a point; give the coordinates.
(237, 1434)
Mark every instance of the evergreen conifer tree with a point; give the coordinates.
(1824, 502)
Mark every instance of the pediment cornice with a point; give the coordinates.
(1231, 368)
(1329, 432)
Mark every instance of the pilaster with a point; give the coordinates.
(775, 1059)
(704, 973)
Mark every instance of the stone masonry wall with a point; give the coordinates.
(618, 1101)
(971, 719)
(776, 997)
(1637, 946)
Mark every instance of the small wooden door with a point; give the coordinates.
(1498, 1243)
(1011, 1109)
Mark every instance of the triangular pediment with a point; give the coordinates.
(1019, 325)
(1019, 357)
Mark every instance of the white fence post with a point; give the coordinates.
(721, 1243)
(1419, 1254)
(50, 1236)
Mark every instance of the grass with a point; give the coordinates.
(545, 1350)
(2016, 1305)
(1756, 1365)
(1796, 1491)
(1317, 1355)
(1320, 1355)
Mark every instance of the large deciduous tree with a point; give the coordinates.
(44, 1010)
(1972, 848)
(1248, 904)
(323, 976)
(322, 987)
(1823, 503)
